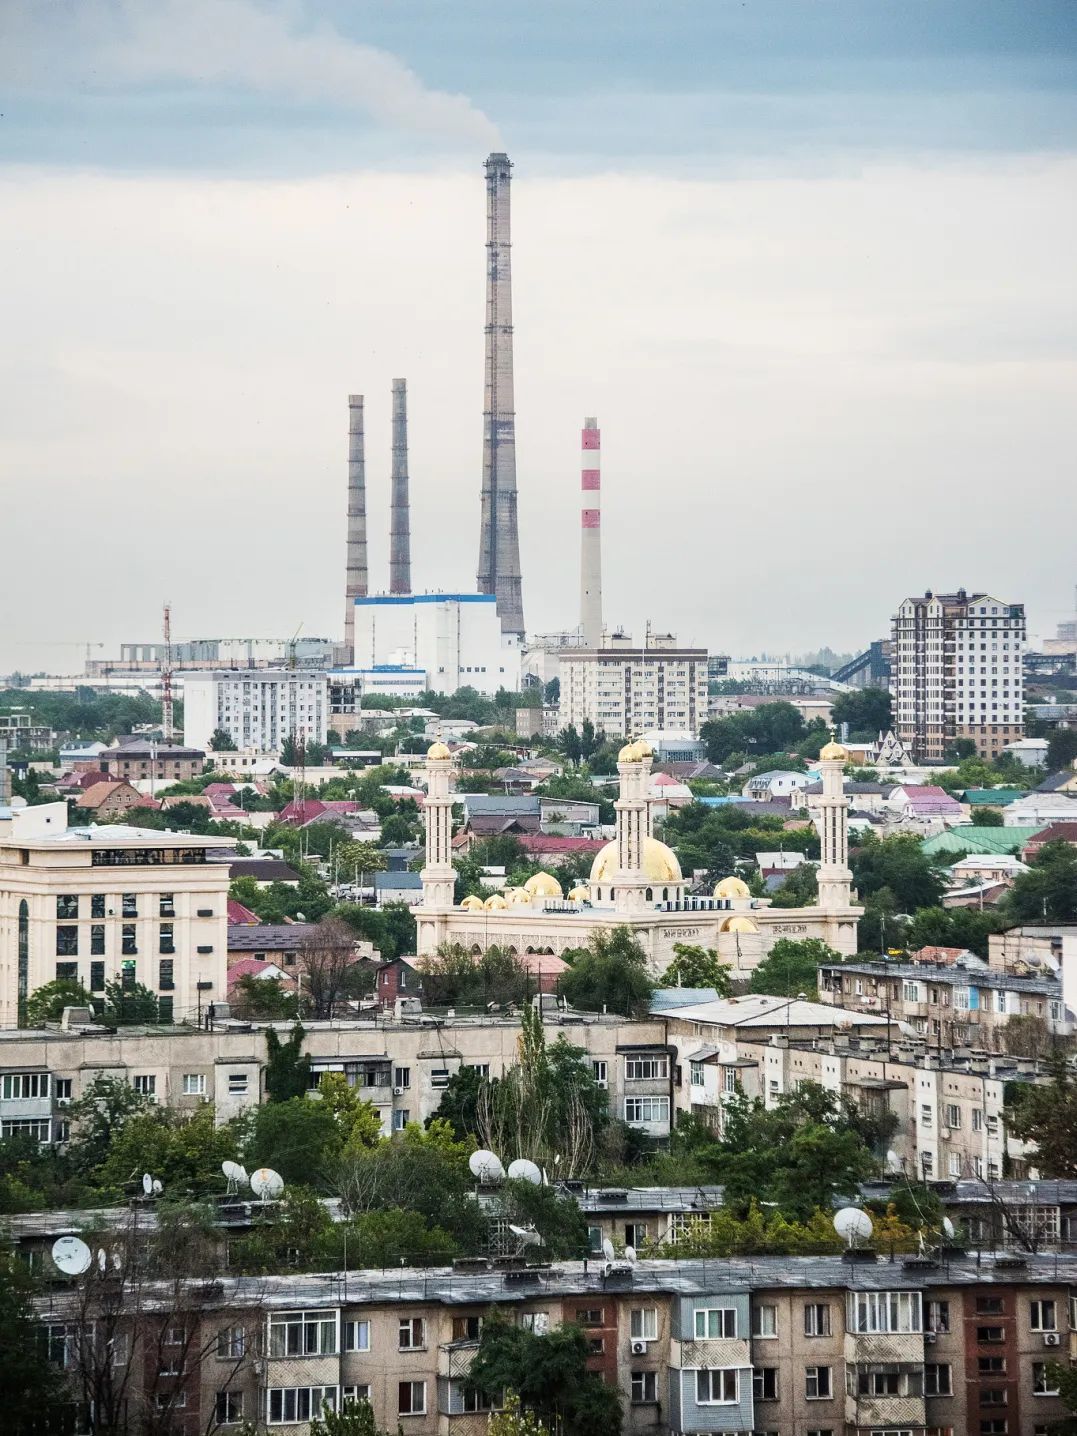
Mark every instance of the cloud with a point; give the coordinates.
(231, 45)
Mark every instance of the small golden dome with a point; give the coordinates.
(516, 897)
(659, 863)
(738, 924)
(543, 885)
(629, 753)
(644, 749)
(579, 894)
(438, 752)
(834, 753)
(472, 904)
(495, 902)
(732, 888)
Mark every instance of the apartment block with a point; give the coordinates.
(627, 690)
(258, 708)
(956, 672)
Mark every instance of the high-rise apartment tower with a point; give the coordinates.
(591, 535)
(400, 518)
(355, 581)
(499, 540)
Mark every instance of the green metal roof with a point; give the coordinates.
(992, 797)
(971, 839)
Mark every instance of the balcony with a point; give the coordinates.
(713, 1352)
(455, 1358)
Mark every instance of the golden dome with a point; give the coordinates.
(834, 753)
(738, 924)
(514, 897)
(659, 863)
(437, 751)
(629, 753)
(732, 888)
(644, 749)
(580, 894)
(543, 885)
(494, 903)
(472, 904)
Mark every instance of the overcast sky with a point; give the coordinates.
(811, 264)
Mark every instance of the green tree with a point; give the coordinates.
(99, 1117)
(355, 1418)
(550, 1375)
(512, 1419)
(184, 1151)
(221, 741)
(32, 1396)
(1046, 1116)
(611, 973)
(47, 1003)
(287, 1069)
(354, 860)
(1048, 891)
(799, 889)
(792, 967)
(130, 1004)
(867, 711)
(262, 999)
(459, 1103)
(899, 864)
(770, 728)
(694, 966)
(1061, 749)
(298, 1138)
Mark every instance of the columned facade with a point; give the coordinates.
(832, 816)
(439, 875)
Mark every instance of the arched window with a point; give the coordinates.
(649, 895)
(665, 894)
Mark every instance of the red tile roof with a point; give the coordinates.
(554, 843)
(238, 913)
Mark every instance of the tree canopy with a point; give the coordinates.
(792, 967)
(610, 974)
(549, 1373)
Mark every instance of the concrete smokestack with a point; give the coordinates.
(591, 535)
(400, 520)
(499, 539)
(356, 577)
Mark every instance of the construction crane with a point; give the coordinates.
(167, 730)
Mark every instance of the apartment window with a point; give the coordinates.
(166, 939)
(412, 1333)
(937, 1316)
(537, 1322)
(884, 1311)
(67, 972)
(991, 1365)
(1042, 1316)
(130, 905)
(302, 1333)
(953, 1115)
(166, 906)
(643, 1323)
(164, 1011)
(357, 1393)
(67, 905)
(995, 1427)
(817, 1383)
(765, 1383)
(439, 1077)
(600, 1069)
(817, 1318)
(764, 1321)
(646, 1069)
(231, 1343)
(166, 980)
(697, 1077)
(715, 1321)
(411, 1398)
(926, 1115)
(97, 905)
(357, 1336)
(1043, 1384)
(466, 1328)
(194, 1084)
(937, 1379)
(990, 1335)
(229, 1407)
(644, 1387)
(287, 1405)
(636, 1234)
(646, 1109)
(37, 1127)
(62, 1089)
(237, 1084)
(989, 1306)
(401, 1118)
(24, 1086)
(145, 1084)
(717, 1388)
(97, 946)
(589, 1316)
(977, 1119)
(128, 940)
(402, 1077)
(820, 1431)
(67, 941)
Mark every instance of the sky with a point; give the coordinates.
(808, 261)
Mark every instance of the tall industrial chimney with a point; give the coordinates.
(591, 536)
(400, 519)
(499, 539)
(356, 576)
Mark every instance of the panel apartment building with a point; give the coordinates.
(627, 690)
(259, 708)
(956, 672)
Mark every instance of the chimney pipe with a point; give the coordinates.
(591, 535)
(400, 515)
(356, 575)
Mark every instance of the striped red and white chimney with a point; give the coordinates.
(591, 536)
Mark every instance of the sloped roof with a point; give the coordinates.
(269, 936)
(1057, 833)
(94, 796)
(251, 967)
(238, 914)
(973, 839)
(1055, 782)
(992, 797)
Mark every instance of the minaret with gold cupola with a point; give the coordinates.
(832, 816)
(438, 875)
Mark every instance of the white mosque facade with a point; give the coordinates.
(636, 882)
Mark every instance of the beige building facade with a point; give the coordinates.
(623, 689)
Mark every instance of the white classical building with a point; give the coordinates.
(259, 707)
(104, 904)
(454, 639)
(635, 881)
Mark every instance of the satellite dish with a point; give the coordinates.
(266, 1183)
(147, 1183)
(486, 1166)
(893, 1161)
(949, 1228)
(528, 1236)
(102, 1258)
(71, 1255)
(523, 1170)
(158, 1186)
(236, 1174)
(630, 1255)
(607, 1249)
(117, 1260)
(853, 1225)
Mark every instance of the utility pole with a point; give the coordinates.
(167, 729)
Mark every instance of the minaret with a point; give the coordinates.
(400, 516)
(499, 539)
(832, 817)
(355, 585)
(634, 768)
(591, 536)
(438, 876)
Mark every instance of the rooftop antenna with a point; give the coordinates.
(71, 1255)
(523, 1170)
(266, 1184)
(854, 1226)
(236, 1174)
(486, 1167)
(167, 729)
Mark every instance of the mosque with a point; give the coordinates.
(635, 882)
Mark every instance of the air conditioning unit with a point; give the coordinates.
(639, 1348)
(929, 1337)
(399, 1091)
(1052, 1338)
(63, 1101)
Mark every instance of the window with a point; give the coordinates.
(62, 1089)
(643, 1323)
(1043, 1384)
(990, 1335)
(302, 1333)
(988, 1306)
(646, 1109)
(229, 1407)
(717, 1388)
(231, 1343)
(937, 1379)
(61, 1344)
(884, 1311)
(24, 1086)
(697, 1077)
(97, 905)
(938, 1316)
(145, 1084)
(164, 1011)
(237, 1083)
(166, 941)
(816, 1318)
(401, 1117)
(439, 1077)
(537, 1322)
(880, 1381)
(926, 1114)
(977, 1119)
(953, 1115)
(646, 1069)
(995, 1396)
(166, 906)
(1042, 1316)
(644, 1386)
(67, 941)
(817, 1384)
(412, 1333)
(194, 1084)
(67, 905)
(764, 1321)
(355, 1393)
(589, 1316)
(166, 981)
(130, 905)
(821, 1431)
(357, 1336)
(287, 1405)
(128, 942)
(713, 1322)
(402, 1077)
(466, 1328)
(97, 949)
(991, 1365)
(411, 1398)
(994, 1428)
(765, 1383)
